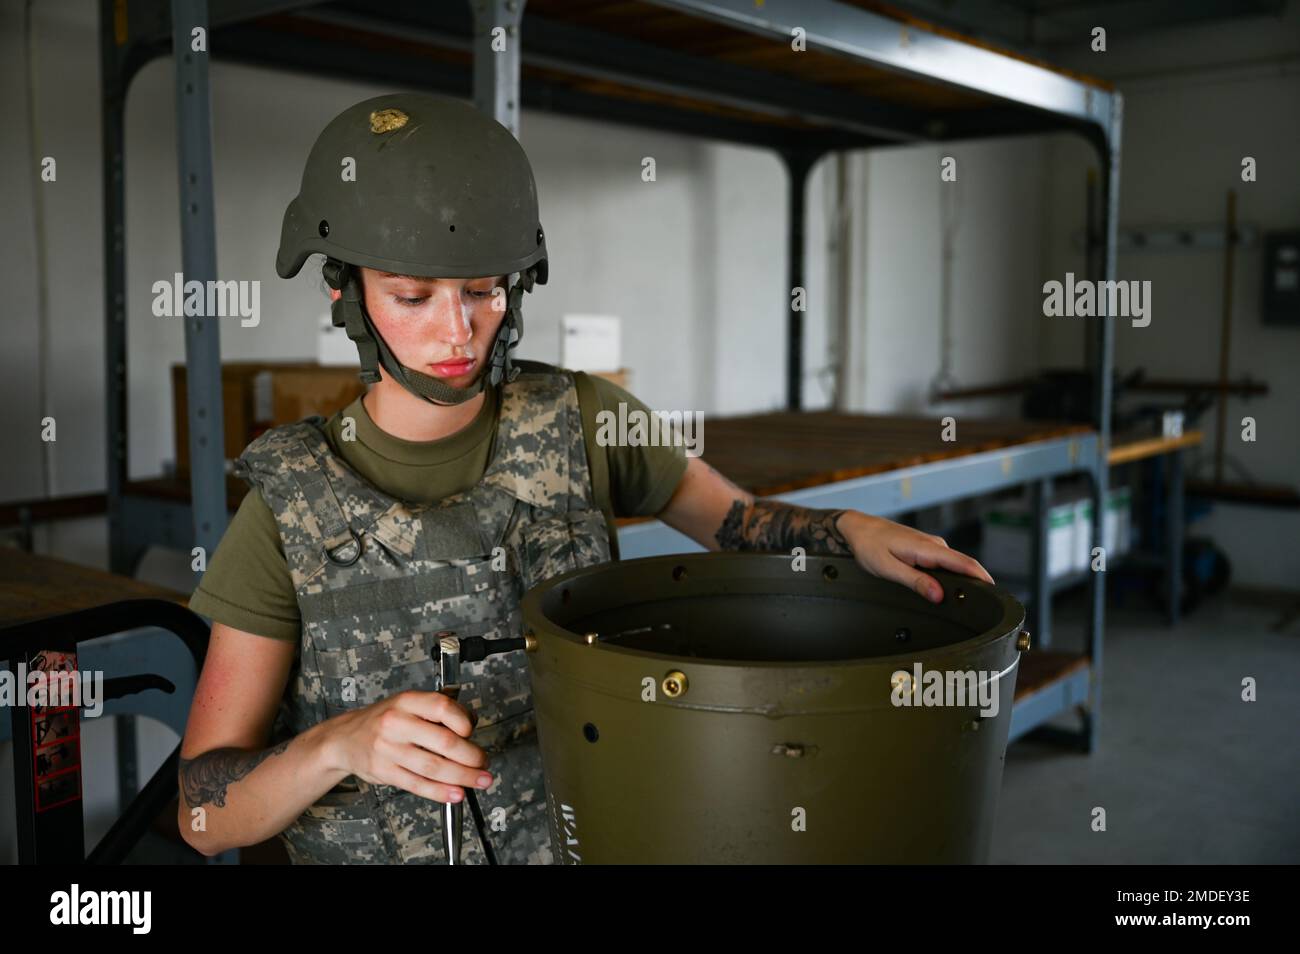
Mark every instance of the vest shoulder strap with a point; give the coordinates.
(285, 464)
(269, 452)
(597, 458)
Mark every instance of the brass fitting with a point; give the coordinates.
(1023, 641)
(530, 642)
(675, 684)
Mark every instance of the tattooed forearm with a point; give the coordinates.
(205, 778)
(774, 526)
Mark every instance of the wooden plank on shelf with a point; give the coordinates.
(1127, 451)
(1040, 668)
(33, 586)
(783, 451)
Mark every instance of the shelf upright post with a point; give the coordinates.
(1103, 378)
(113, 82)
(798, 162)
(497, 37)
(199, 264)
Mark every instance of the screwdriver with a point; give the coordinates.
(452, 651)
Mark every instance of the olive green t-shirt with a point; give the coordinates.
(247, 584)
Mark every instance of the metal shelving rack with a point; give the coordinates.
(692, 67)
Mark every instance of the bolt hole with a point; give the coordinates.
(830, 573)
(679, 573)
(590, 732)
(564, 595)
(451, 228)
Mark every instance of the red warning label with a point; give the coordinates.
(56, 735)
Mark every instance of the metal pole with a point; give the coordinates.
(798, 164)
(199, 264)
(496, 59)
(1225, 334)
(1174, 496)
(1104, 374)
(112, 107)
(1040, 496)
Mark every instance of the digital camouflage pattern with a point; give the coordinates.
(377, 581)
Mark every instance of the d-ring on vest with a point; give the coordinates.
(377, 579)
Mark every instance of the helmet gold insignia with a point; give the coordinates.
(386, 120)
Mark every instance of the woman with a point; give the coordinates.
(459, 480)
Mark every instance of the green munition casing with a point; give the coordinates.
(730, 708)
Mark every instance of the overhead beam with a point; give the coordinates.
(148, 22)
(881, 41)
(594, 54)
(258, 44)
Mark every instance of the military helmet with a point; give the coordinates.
(417, 184)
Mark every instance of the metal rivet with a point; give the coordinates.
(530, 642)
(323, 228)
(1023, 641)
(591, 638)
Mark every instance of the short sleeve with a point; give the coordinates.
(642, 478)
(247, 584)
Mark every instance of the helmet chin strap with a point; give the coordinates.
(349, 312)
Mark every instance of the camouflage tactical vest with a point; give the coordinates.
(378, 578)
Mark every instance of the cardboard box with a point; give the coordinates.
(1007, 547)
(258, 395)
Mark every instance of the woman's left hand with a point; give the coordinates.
(893, 551)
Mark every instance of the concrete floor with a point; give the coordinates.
(1186, 771)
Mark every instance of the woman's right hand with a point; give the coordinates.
(417, 741)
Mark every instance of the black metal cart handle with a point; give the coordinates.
(64, 633)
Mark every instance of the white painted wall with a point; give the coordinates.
(995, 269)
(1197, 100)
